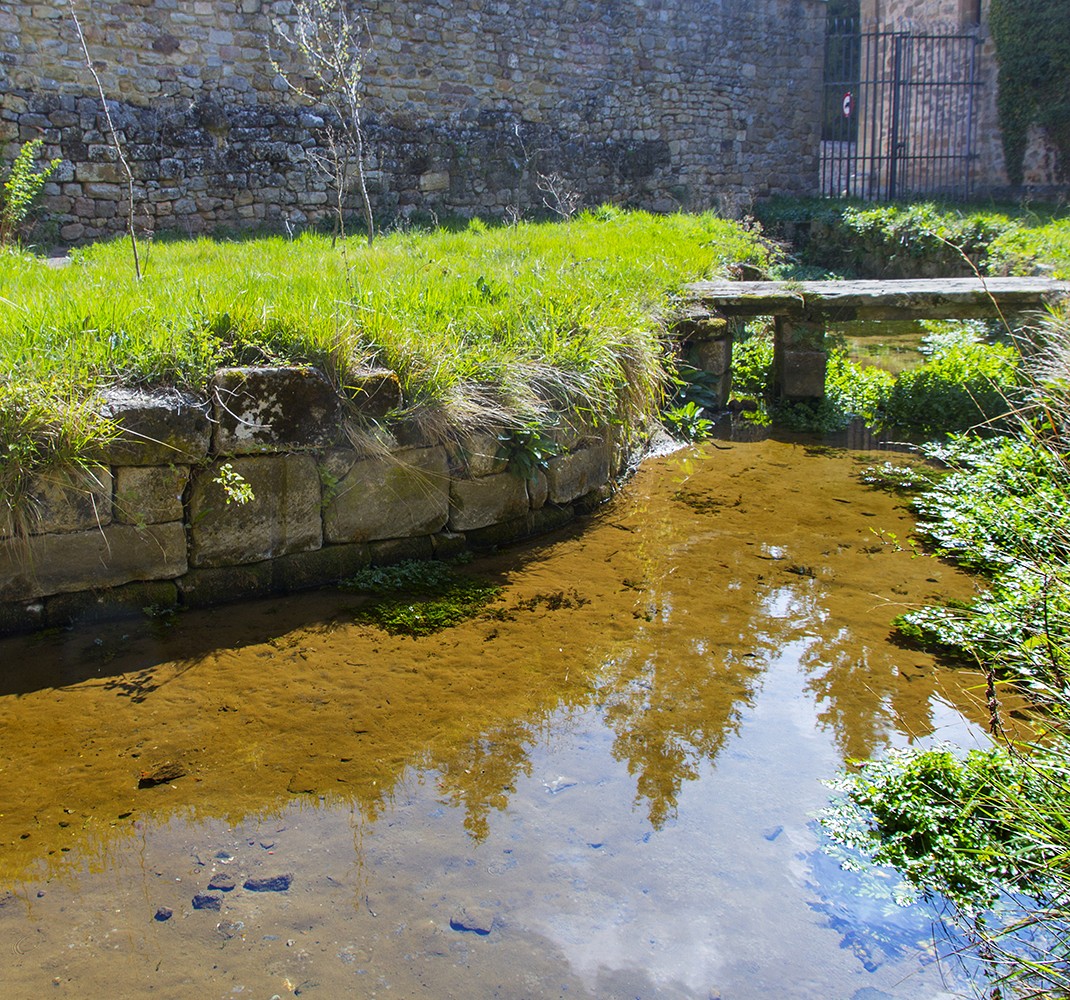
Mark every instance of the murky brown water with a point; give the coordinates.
(606, 789)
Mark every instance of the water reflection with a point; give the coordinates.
(704, 650)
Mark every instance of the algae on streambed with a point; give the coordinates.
(662, 614)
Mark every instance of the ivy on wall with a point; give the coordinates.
(1033, 48)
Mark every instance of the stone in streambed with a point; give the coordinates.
(276, 883)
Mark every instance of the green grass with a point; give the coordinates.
(910, 237)
(505, 322)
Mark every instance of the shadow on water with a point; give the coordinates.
(630, 741)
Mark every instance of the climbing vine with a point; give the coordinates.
(1033, 48)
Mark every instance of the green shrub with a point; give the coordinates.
(752, 363)
(21, 189)
(963, 384)
(940, 819)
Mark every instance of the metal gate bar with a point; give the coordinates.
(899, 112)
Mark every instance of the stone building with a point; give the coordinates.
(470, 105)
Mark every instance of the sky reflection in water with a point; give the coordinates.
(606, 788)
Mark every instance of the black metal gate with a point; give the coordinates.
(899, 112)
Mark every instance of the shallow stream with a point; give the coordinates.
(604, 788)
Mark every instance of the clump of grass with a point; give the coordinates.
(44, 428)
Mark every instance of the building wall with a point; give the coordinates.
(1041, 166)
(658, 103)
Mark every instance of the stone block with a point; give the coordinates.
(149, 494)
(580, 471)
(73, 499)
(538, 489)
(800, 374)
(395, 497)
(501, 533)
(551, 518)
(713, 356)
(273, 409)
(475, 503)
(449, 544)
(374, 392)
(479, 455)
(202, 588)
(319, 568)
(700, 327)
(155, 428)
(395, 550)
(21, 616)
(107, 557)
(126, 601)
(283, 515)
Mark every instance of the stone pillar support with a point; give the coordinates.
(799, 359)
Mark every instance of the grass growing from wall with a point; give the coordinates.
(501, 325)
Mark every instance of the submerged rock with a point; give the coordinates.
(276, 883)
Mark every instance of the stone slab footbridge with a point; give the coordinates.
(803, 309)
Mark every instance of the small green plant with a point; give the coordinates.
(941, 820)
(21, 189)
(234, 485)
(687, 422)
(752, 363)
(527, 449)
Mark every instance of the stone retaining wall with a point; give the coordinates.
(150, 522)
(662, 104)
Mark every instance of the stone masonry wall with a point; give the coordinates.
(149, 523)
(662, 104)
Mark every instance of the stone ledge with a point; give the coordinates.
(155, 428)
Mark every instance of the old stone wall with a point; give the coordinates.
(261, 489)
(662, 104)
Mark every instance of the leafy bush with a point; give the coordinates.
(752, 363)
(941, 820)
(687, 422)
(1027, 249)
(962, 385)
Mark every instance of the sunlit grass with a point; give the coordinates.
(522, 317)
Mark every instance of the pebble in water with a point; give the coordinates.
(202, 901)
(163, 913)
